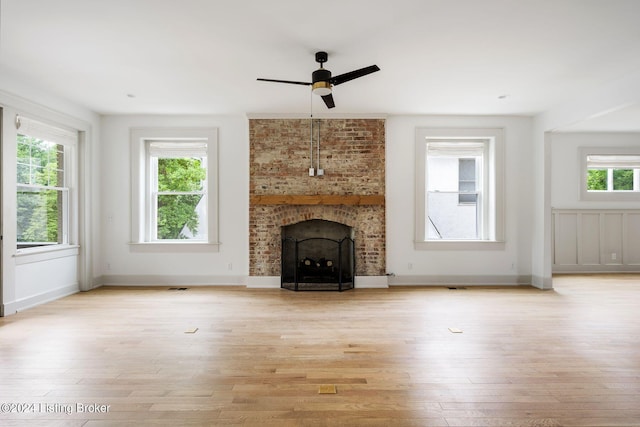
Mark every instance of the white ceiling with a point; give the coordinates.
(203, 56)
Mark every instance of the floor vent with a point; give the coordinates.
(455, 288)
(178, 289)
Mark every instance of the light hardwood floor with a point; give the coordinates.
(525, 357)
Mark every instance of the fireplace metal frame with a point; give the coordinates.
(326, 280)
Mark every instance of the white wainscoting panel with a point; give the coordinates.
(596, 240)
(590, 235)
(566, 250)
(632, 231)
(612, 238)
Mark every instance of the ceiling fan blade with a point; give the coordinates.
(328, 100)
(354, 74)
(286, 81)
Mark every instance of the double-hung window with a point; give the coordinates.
(456, 188)
(177, 194)
(45, 159)
(459, 185)
(174, 186)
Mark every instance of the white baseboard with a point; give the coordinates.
(165, 280)
(263, 282)
(595, 268)
(459, 280)
(371, 282)
(34, 300)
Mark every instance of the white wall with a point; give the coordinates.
(590, 236)
(122, 263)
(510, 264)
(614, 95)
(29, 280)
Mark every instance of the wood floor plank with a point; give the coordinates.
(566, 357)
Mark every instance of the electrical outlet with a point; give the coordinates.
(410, 266)
(230, 266)
(312, 172)
(614, 256)
(320, 172)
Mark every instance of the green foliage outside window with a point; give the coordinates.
(623, 179)
(39, 206)
(177, 212)
(597, 179)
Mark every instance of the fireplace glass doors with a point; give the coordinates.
(317, 255)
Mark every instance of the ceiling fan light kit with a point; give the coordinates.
(322, 88)
(322, 82)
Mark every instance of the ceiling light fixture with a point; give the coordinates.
(322, 88)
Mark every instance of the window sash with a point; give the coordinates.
(611, 181)
(459, 149)
(62, 213)
(61, 142)
(175, 150)
(202, 230)
(28, 166)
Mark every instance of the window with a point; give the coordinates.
(178, 190)
(174, 186)
(613, 173)
(610, 174)
(459, 185)
(44, 178)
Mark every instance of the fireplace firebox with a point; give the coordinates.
(317, 255)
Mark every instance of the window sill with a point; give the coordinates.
(610, 196)
(168, 247)
(462, 245)
(44, 253)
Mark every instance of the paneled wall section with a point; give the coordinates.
(596, 241)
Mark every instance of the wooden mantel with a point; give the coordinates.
(317, 199)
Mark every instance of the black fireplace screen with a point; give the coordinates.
(313, 258)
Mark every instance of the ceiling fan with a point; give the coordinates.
(322, 82)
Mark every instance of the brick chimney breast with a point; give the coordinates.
(352, 155)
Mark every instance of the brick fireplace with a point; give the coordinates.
(351, 191)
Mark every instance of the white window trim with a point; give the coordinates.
(59, 134)
(611, 196)
(140, 175)
(495, 176)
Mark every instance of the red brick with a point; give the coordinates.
(279, 163)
